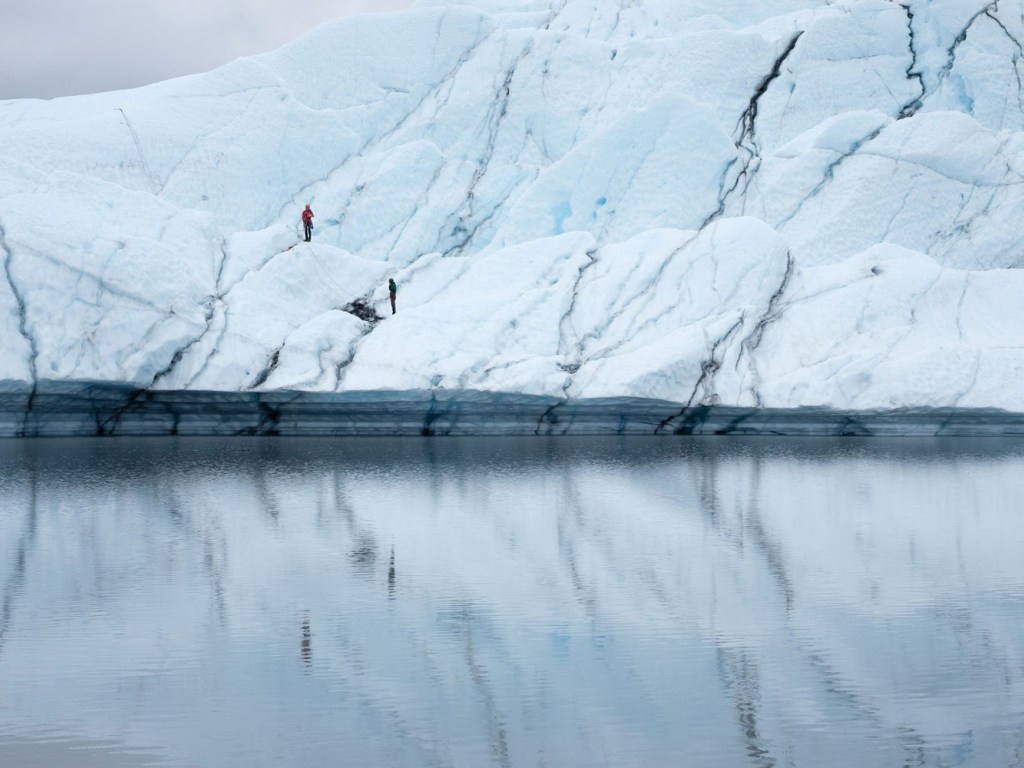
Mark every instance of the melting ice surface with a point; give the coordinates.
(473, 601)
(778, 204)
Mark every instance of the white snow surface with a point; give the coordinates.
(780, 204)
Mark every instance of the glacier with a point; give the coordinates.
(794, 211)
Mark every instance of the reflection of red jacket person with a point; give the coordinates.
(307, 222)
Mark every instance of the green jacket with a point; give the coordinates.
(392, 287)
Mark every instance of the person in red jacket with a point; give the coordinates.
(307, 222)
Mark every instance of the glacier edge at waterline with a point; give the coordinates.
(800, 208)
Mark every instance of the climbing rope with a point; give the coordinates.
(328, 274)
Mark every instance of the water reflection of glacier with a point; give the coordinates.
(514, 602)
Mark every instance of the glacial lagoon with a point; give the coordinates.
(617, 601)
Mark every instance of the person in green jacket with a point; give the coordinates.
(392, 291)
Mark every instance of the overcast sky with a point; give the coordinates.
(62, 47)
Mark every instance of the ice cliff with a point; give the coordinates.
(777, 204)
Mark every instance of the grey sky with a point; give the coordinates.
(62, 47)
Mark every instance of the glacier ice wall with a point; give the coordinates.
(776, 205)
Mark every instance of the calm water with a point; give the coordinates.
(506, 602)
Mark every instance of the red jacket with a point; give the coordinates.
(307, 216)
